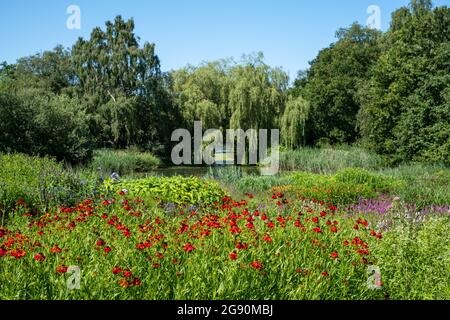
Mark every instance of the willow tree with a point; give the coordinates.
(201, 93)
(257, 96)
(293, 122)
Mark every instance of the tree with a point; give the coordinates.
(405, 105)
(123, 84)
(332, 83)
(293, 122)
(257, 96)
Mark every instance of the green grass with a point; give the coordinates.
(424, 185)
(123, 161)
(41, 183)
(329, 160)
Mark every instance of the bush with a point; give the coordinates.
(178, 190)
(124, 161)
(345, 187)
(37, 125)
(424, 185)
(40, 182)
(358, 176)
(414, 260)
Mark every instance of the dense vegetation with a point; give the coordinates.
(388, 91)
(364, 182)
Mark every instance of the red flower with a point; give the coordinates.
(315, 220)
(107, 249)
(127, 274)
(317, 230)
(356, 227)
(325, 274)
(100, 243)
(323, 214)
(116, 270)
(140, 246)
(3, 252)
(334, 255)
(257, 265)
(233, 255)
(188, 247)
(137, 282)
(242, 246)
(346, 243)
(264, 217)
(56, 249)
(61, 269)
(39, 257)
(333, 229)
(18, 253)
(124, 283)
(270, 224)
(156, 265)
(267, 238)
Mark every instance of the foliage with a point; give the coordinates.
(345, 187)
(177, 190)
(123, 161)
(329, 160)
(52, 125)
(414, 260)
(38, 183)
(131, 251)
(332, 82)
(424, 185)
(293, 122)
(406, 102)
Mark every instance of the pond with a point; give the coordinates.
(196, 171)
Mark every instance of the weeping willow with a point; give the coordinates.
(293, 122)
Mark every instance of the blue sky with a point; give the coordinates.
(289, 32)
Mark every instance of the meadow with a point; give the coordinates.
(353, 230)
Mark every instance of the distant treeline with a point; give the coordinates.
(389, 92)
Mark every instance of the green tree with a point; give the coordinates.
(293, 122)
(332, 83)
(124, 86)
(405, 105)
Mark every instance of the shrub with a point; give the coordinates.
(414, 260)
(178, 190)
(54, 126)
(40, 182)
(358, 176)
(123, 161)
(424, 185)
(345, 187)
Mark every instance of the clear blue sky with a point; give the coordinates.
(289, 32)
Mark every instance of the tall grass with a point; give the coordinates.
(123, 161)
(424, 185)
(329, 160)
